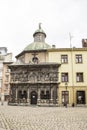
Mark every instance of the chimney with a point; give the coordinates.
(84, 42)
(53, 46)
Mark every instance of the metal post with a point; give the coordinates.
(66, 94)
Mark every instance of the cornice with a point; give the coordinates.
(66, 49)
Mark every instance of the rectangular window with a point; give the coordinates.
(45, 96)
(78, 58)
(64, 58)
(65, 97)
(6, 86)
(79, 77)
(7, 78)
(80, 97)
(64, 77)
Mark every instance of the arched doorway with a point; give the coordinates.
(33, 97)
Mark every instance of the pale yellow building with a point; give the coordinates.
(72, 74)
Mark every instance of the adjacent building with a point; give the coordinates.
(5, 59)
(45, 75)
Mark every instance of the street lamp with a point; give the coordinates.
(66, 85)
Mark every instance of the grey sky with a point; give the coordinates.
(19, 19)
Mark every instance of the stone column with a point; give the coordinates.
(52, 93)
(28, 96)
(51, 96)
(16, 94)
(38, 96)
(57, 96)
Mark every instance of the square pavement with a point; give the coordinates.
(42, 118)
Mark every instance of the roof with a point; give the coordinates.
(37, 46)
(19, 63)
(39, 31)
(66, 49)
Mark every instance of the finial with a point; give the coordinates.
(40, 25)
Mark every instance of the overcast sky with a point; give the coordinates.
(19, 20)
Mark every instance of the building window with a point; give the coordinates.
(8, 70)
(80, 97)
(7, 78)
(64, 77)
(79, 77)
(78, 58)
(35, 59)
(45, 95)
(6, 87)
(64, 58)
(65, 97)
(42, 95)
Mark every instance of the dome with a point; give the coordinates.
(39, 41)
(39, 31)
(37, 46)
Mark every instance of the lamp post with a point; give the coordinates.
(66, 85)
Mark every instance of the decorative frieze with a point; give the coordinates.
(36, 76)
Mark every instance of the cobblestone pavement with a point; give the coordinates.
(42, 118)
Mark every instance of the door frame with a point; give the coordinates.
(33, 97)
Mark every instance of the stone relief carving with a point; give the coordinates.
(34, 76)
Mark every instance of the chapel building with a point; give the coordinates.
(49, 76)
(34, 79)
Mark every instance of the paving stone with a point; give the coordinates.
(42, 118)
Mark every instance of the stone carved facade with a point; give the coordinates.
(40, 75)
(37, 79)
(34, 80)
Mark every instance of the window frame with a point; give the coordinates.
(7, 78)
(64, 78)
(65, 97)
(45, 96)
(64, 59)
(79, 77)
(78, 58)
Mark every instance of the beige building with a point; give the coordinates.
(6, 80)
(5, 59)
(72, 74)
(45, 75)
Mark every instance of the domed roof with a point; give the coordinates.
(37, 46)
(40, 30)
(39, 41)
